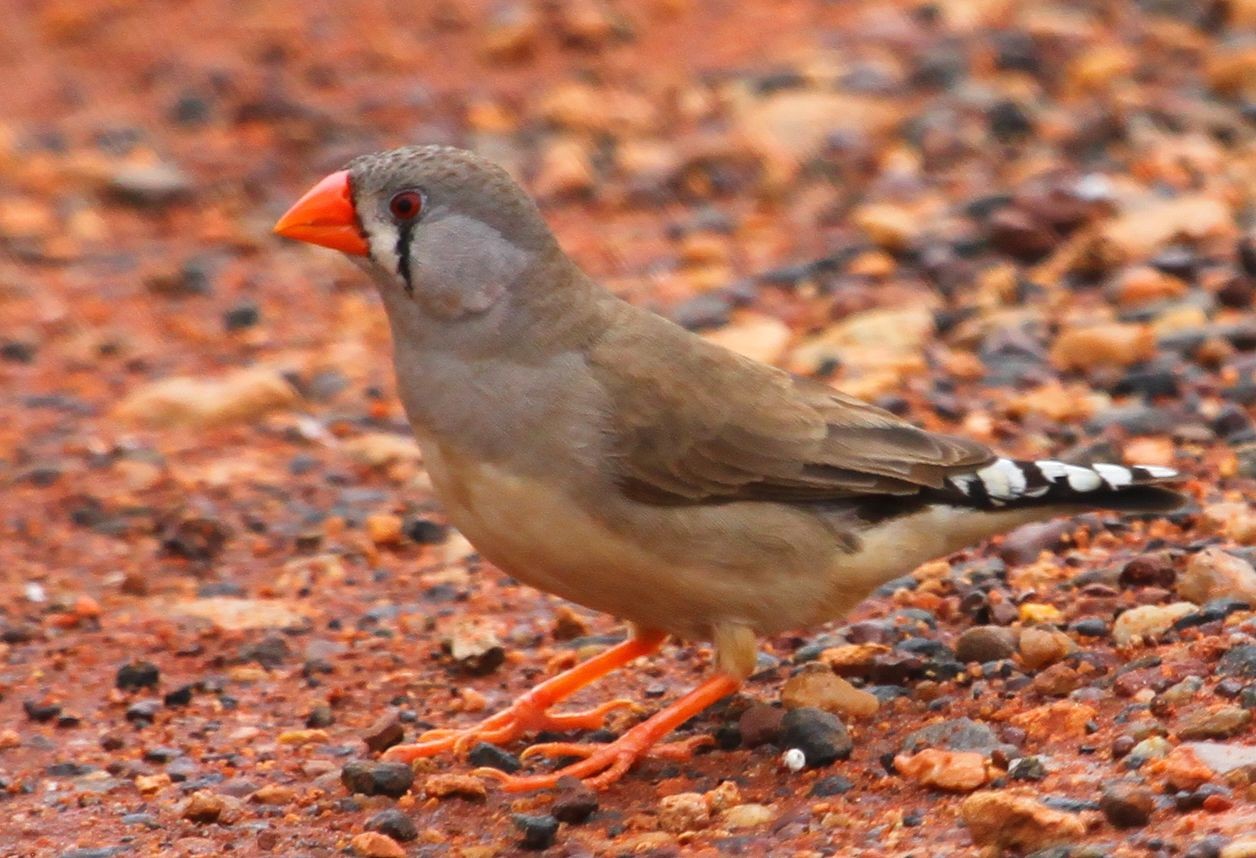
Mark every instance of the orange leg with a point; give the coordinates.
(604, 764)
(531, 711)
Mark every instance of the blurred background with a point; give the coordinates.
(1027, 222)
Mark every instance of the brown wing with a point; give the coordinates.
(692, 422)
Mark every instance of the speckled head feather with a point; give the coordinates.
(452, 179)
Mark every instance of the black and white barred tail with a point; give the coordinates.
(1007, 483)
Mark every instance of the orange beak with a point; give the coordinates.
(325, 216)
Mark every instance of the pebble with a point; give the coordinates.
(1148, 621)
(760, 724)
(1245, 848)
(1042, 647)
(137, 674)
(1111, 344)
(1151, 748)
(192, 401)
(575, 802)
(475, 648)
(981, 644)
(143, 711)
(1220, 723)
(1239, 661)
(384, 528)
(207, 807)
(393, 823)
(816, 685)
(384, 733)
(1008, 821)
(1026, 769)
(149, 185)
(818, 734)
(957, 734)
(1216, 574)
(1183, 769)
(455, 786)
(493, 757)
(1127, 805)
(1222, 757)
(372, 844)
(747, 816)
(539, 830)
(369, 777)
(276, 794)
(683, 811)
(953, 771)
(829, 786)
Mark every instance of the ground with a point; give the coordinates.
(221, 563)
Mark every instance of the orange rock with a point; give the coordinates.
(372, 844)
(1010, 821)
(1143, 284)
(1111, 344)
(954, 771)
(1062, 719)
(1182, 769)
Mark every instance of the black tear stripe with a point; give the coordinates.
(405, 232)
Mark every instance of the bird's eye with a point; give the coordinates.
(406, 205)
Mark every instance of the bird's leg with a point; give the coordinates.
(602, 765)
(531, 711)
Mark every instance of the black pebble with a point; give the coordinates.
(393, 823)
(819, 735)
(832, 785)
(538, 831)
(1240, 661)
(488, 754)
(425, 532)
(368, 777)
(137, 674)
(143, 711)
(575, 803)
(240, 317)
(181, 696)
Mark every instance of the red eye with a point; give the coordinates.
(406, 205)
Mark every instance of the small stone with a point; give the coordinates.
(40, 711)
(575, 803)
(1008, 821)
(1245, 848)
(491, 756)
(1042, 647)
(137, 674)
(747, 816)
(1026, 769)
(1223, 757)
(422, 531)
(1127, 806)
(384, 528)
(384, 733)
(455, 786)
(818, 734)
(1221, 723)
(1148, 621)
(568, 625)
(207, 807)
(760, 724)
(1148, 570)
(475, 648)
(1216, 574)
(953, 771)
(320, 715)
(143, 711)
(373, 844)
(1143, 284)
(831, 785)
(239, 397)
(1239, 661)
(539, 831)
(368, 777)
(1110, 344)
(241, 317)
(565, 170)
(393, 823)
(981, 644)
(149, 185)
(957, 734)
(816, 685)
(302, 737)
(1183, 769)
(683, 811)
(278, 794)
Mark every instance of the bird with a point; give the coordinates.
(595, 450)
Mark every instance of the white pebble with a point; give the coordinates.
(794, 760)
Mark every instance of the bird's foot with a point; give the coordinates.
(602, 765)
(527, 715)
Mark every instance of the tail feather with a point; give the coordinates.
(1008, 483)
